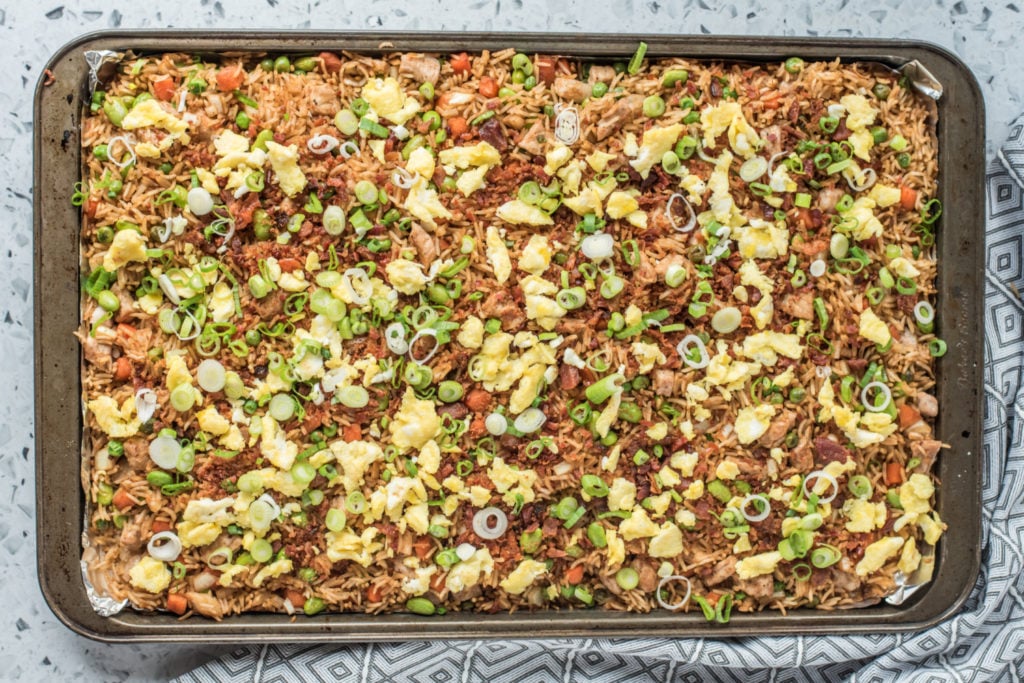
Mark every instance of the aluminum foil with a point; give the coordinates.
(922, 79)
(906, 586)
(102, 64)
(105, 606)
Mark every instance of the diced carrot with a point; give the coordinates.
(122, 369)
(164, 89)
(460, 63)
(908, 197)
(893, 473)
(574, 575)
(177, 603)
(331, 62)
(125, 331)
(373, 593)
(230, 78)
(289, 264)
(422, 546)
(478, 400)
(161, 526)
(457, 125)
(771, 100)
(91, 206)
(296, 598)
(909, 415)
(122, 501)
(352, 432)
(488, 87)
(437, 582)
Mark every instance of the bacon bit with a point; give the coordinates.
(909, 416)
(296, 598)
(893, 473)
(122, 369)
(352, 432)
(50, 78)
(177, 603)
(574, 575)
(437, 582)
(546, 68)
(161, 526)
(331, 62)
(289, 264)
(477, 427)
(122, 500)
(164, 89)
(373, 593)
(460, 63)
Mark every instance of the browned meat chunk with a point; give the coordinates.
(424, 244)
(270, 306)
(826, 450)
(722, 571)
(568, 377)
(571, 89)
(778, 429)
(131, 534)
(135, 342)
(625, 110)
(136, 451)
(493, 134)
(772, 137)
(663, 382)
(802, 458)
(457, 410)
(798, 305)
(759, 587)
(927, 404)
(847, 582)
(925, 450)
(602, 74)
(828, 198)
(533, 140)
(501, 306)
(206, 604)
(96, 353)
(323, 100)
(420, 68)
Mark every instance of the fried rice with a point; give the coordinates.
(491, 332)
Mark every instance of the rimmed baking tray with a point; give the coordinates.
(59, 499)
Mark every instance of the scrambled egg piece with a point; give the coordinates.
(608, 415)
(598, 160)
(128, 246)
(863, 515)
(753, 422)
(276, 480)
(472, 180)
(419, 583)
(868, 225)
(724, 371)
(763, 312)
(903, 267)
(876, 554)
(421, 162)
(272, 570)
(430, 458)
(386, 98)
(497, 255)
(588, 201)
(347, 545)
(885, 195)
(668, 542)
(222, 303)
(207, 510)
(728, 116)
(422, 202)
(780, 180)
(621, 494)
(212, 422)
(480, 154)
(873, 329)
(758, 565)
(639, 525)
(406, 276)
(236, 161)
(556, 157)
(695, 188)
(616, 548)
(727, 470)
(518, 212)
(656, 141)
(522, 576)
(511, 482)
(355, 457)
(751, 276)
(648, 355)
(118, 423)
(415, 423)
(539, 305)
(275, 447)
(150, 574)
(916, 494)
(150, 113)
(285, 162)
(763, 239)
(197, 534)
(765, 347)
(684, 462)
(621, 204)
(466, 574)
(536, 255)
(471, 333)
(910, 558)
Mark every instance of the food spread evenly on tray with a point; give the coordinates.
(499, 331)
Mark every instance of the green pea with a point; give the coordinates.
(261, 224)
(307, 63)
(313, 606)
(282, 64)
(115, 110)
(158, 478)
(108, 301)
(438, 294)
(252, 337)
(242, 120)
(104, 235)
(100, 152)
(267, 64)
(420, 606)
(599, 90)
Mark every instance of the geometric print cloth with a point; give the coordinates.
(983, 642)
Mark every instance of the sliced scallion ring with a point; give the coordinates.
(394, 336)
(490, 523)
(825, 476)
(691, 220)
(164, 546)
(530, 420)
(692, 343)
(872, 405)
(670, 579)
(425, 332)
(766, 507)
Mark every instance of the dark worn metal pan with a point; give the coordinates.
(60, 502)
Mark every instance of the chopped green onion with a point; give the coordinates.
(594, 486)
(937, 348)
(794, 65)
(635, 62)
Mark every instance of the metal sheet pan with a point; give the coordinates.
(59, 498)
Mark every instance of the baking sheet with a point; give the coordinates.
(60, 501)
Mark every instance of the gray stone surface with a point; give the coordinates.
(33, 645)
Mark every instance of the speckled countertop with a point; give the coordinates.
(33, 644)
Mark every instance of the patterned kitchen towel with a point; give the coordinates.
(984, 642)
